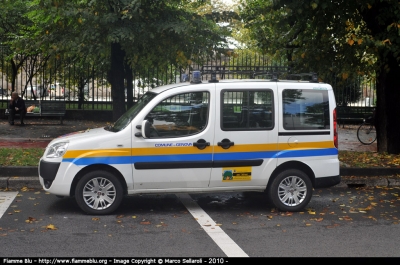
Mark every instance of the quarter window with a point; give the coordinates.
(247, 110)
(180, 115)
(305, 109)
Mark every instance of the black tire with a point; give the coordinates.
(366, 133)
(290, 191)
(91, 196)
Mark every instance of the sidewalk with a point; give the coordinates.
(39, 132)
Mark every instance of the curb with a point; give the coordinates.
(378, 171)
(18, 171)
(19, 177)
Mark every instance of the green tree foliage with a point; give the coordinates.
(13, 26)
(126, 34)
(340, 37)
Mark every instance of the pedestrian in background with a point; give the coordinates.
(17, 105)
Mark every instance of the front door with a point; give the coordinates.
(245, 134)
(178, 154)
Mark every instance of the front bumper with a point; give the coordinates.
(48, 171)
(56, 176)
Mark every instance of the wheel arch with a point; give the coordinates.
(101, 167)
(293, 165)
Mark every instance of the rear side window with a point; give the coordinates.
(305, 109)
(246, 110)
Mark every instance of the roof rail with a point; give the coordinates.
(273, 72)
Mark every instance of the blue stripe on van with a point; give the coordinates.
(275, 154)
(82, 161)
(310, 152)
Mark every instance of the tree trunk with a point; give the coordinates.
(116, 79)
(388, 107)
(388, 82)
(14, 74)
(81, 87)
(380, 114)
(129, 85)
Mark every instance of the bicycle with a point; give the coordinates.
(366, 133)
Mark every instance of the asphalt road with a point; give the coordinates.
(339, 222)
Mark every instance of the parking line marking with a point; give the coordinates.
(227, 245)
(6, 198)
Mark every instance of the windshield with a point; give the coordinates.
(126, 118)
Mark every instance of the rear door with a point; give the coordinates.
(245, 134)
(305, 130)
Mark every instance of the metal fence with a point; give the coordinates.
(86, 87)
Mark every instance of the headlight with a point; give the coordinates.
(57, 150)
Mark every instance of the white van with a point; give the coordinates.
(232, 135)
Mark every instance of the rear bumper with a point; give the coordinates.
(327, 182)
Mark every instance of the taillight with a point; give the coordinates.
(335, 133)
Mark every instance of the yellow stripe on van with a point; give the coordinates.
(148, 151)
(274, 147)
(97, 153)
(246, 148)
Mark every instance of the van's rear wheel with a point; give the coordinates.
(99, 192)
(291, 190)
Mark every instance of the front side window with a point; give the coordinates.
(305, 109)
(243, 110)
(128, 116)
(180, 115)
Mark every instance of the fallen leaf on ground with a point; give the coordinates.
(30, 220)
(317, 219)
(332, 226)
(287, 214)
(51, 227)
(370, 217)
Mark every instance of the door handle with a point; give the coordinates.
(226, 143)
(201, 144)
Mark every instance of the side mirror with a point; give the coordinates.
(146, 129)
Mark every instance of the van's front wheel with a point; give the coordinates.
(99, 192)
(291, 190)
